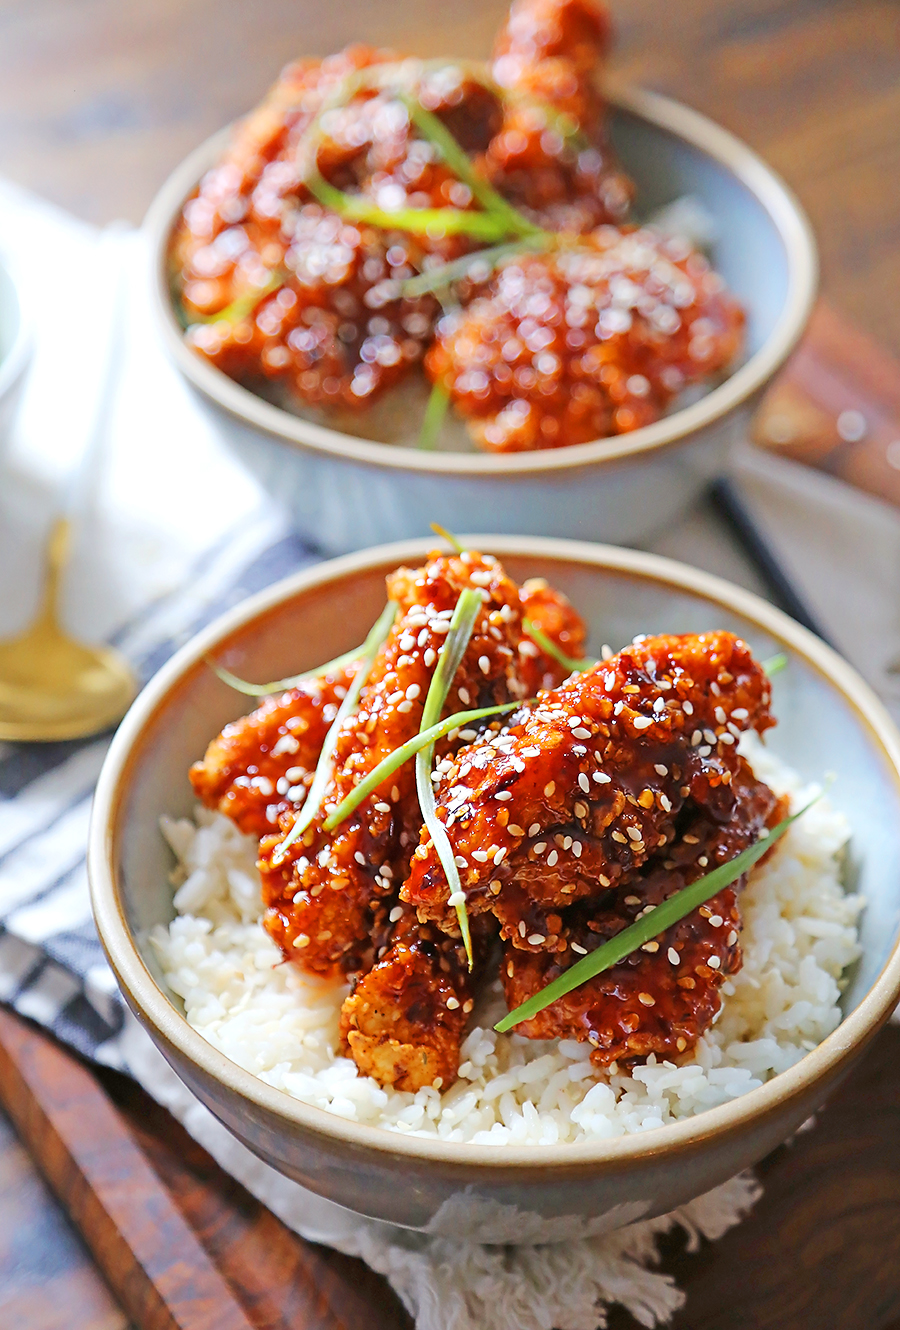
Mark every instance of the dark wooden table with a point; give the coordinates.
(100, 99)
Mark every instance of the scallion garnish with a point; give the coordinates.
(448, 536)
(550, 648)
(242, 307)
(435, 413)
(650, 926)
(279, 685)
(431, 221)
(452, 652)
(459, 162)
(774, 664)
(434, 279)
(388, 765)
(323, 767)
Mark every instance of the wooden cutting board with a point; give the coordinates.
(184, 1247)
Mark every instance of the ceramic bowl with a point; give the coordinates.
(828, 721)
(346, 492)
(15, 351)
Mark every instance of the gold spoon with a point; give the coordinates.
(51, 686)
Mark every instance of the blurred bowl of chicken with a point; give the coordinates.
(499, 1187)
(333, 384)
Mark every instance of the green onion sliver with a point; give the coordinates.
(681, 903)
(433, 221)
(775, 664)
(433, 279)
(448, 536)
(388, 765)
(452, 652)
(279, 685)
(550, 648)
(460, 164)
(435, 412)
(323, 767)
(244, 305)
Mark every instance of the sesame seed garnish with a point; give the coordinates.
(395, 793)
(360, 858)
(673, 956)
(301, 940)
(740, 713)
(404, 707)
(632, 900)
(484, 664)
(552, 858)
(577, 848)
(714, 962)
(382, 808)
(480, 856)
(617, 836)
(549, 789)
(606, 652)
(581, 733)
(696, 738)
(534, 828)
(688, 708)
(421, 852)
(396, 913)
(429, 658)
(660, 769)
(468, 1005)
(584, 783)
(732, 938)
(500, 855)
(716, 920)
(650, 946)
(455, 898)
(522, 928)
(580, 810)
(503, 795)
(463, 695)
(646, 999)
(691, 840)
(452, 1003)
(540, 847)
(601, 778)
(535, 939)
(703, 861)
(460, 861)
(680, 1044)
(635, 833)
(576, 946)
(642, 722)
(515, 830)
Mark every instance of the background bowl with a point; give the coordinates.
(345, 492)
(829, 721)
(15, 351)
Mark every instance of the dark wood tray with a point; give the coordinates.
(183, 1246)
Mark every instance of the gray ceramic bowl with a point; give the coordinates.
(829, 720)
(15, 351)
(346, 492)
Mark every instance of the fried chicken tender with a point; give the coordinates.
(550, 612)
(328, 902)
(583, 786)
(586, 341)
(405, 1020)
(661, 998)
(260, 766)
(551, 157)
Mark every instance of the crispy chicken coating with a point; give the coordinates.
(583, 786)
(586, 341)
(328, 903)
(260, 766)
(662, 998)
(405, 1020)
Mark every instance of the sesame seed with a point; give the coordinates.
(642, 722)
(720, 716)
(405, 707)
(716, 920)
(413, 691)
(421, 852)
(395, 793)
(703, 861)
(522, 928)
(665, 803)
(515, 830)
(635, 833)
(552, 858)
(680, 1044)
(480, 856)
(691, 840)
(500, 856)
(709, 736)
(577, 848)
(660, 769)
(452, 1004)
(646, 999)
(460, 861)
(580, 810)
(382, 808)
(360, 858)
(534, 828)
(503, 795)
(673, 956)
(463, 695)
(632, 900)
(535, 939)
(617, 836)
(440, 626)
(576, 946)
(581, 733)
(601, 778)
(688, 708)
(549, 789)
(732, 938)
(740, 713)
(429, 658)
(584, 783)
(484, 664)
(714, 962)
(396, 913)
(650, 946)
(455, 898)
(468, 1005)
(606, 652)
(540, 847)
(301, 940)
(696, 738)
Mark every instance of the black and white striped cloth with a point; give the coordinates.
(52, 967)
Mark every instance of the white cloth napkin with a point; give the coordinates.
(173, 531)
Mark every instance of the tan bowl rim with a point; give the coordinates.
(825, 1061)
(694, 128)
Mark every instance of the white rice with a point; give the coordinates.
(799, 936)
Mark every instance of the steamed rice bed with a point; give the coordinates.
(799, 936)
